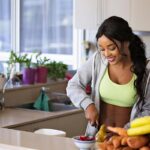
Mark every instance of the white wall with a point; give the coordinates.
(146, 38)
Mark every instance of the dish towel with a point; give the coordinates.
(42, 102)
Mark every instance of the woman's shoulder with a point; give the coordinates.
(99, 58)
(95, 57)
(148, 63)
(148, 59)
(148, 66)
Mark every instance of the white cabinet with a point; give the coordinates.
(73, 124)
(86, 13)
(89, 14)
(119, 8)
(140, 13)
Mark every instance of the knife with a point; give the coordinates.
(90, 130)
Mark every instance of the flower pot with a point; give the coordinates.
(41, 75)
(28, 75)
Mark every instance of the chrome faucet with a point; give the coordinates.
(2, 101)
(2, 98)
(9, 81)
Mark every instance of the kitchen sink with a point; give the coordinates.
(52, 105)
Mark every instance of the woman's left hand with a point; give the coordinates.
(91, 114)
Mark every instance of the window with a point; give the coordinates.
(29, 26)
(47, 25)
(5, 26)
(5, 32)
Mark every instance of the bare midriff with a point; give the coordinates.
(112, 115)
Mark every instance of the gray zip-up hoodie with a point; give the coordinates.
(92, 72)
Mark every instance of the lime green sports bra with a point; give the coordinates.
(116, 94)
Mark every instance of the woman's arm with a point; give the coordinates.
(76, 89)
(76, 86)
(144, 105)
(142, 108)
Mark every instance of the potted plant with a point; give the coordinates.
(13, 59)
(28, 73)
(41, 71)
(56, 70)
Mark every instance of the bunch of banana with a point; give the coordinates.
(100, 136)
(139, 126)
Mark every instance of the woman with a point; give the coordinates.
(119, 76)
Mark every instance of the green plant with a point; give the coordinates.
(22, 59)
(27, 61)
(12, 58)
(56, 70)
(41, 61)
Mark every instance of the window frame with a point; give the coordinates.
(74, 59)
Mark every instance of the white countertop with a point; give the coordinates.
(22, 140)
(10, 147)
(12, 117)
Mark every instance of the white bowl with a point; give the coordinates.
(50, 132)
(83, 145)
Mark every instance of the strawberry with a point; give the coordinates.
(86, 138)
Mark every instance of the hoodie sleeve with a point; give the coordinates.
(76, 86)
(145, 104)
(142, 108)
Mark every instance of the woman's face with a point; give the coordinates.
(110, 50)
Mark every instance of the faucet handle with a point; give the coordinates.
(45, 88)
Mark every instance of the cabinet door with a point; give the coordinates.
(86, 14)
(140, 13)
(119, 8)
(72, 124)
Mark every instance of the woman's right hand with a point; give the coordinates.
(91, 114)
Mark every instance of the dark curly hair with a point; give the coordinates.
(116, 28)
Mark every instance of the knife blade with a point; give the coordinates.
(90, 130)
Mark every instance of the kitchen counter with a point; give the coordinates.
(12, 117)
(15, 117)
(30, 140)
(10, 147)
(32, 120)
